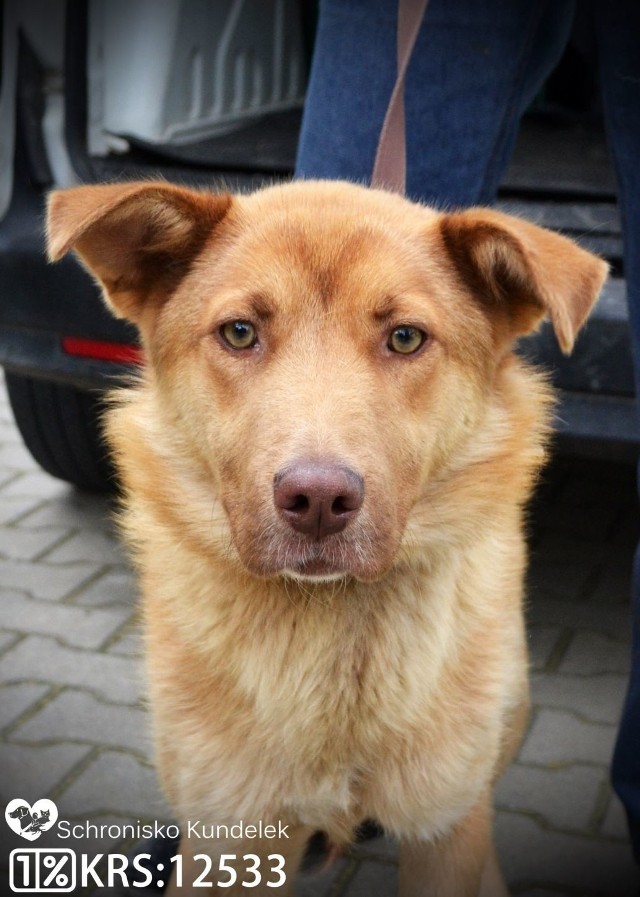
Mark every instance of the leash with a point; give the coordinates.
(390, 166)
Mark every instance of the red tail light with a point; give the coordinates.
(99, 350)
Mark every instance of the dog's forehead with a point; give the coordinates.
(331, 236)
(331, 210)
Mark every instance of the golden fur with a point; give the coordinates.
(380, 672)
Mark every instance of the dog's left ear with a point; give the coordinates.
(523, 273)
(138, 239)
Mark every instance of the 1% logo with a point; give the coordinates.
(42, 870)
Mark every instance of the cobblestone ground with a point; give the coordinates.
(74, 727)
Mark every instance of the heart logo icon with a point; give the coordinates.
(30, 821)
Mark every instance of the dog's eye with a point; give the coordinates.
(239, 334)
(406, 340)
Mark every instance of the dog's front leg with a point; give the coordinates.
(460, 864)
(261, 867)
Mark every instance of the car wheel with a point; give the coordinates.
(60, 426)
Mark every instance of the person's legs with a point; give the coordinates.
(475, 69)
(618, 30)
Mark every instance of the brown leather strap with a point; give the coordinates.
(389, 170)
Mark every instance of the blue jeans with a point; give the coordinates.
(476, 67)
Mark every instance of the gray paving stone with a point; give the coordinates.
(383, 848)
(12, 509)
(87, 545)
(24, 545)
(374, 878)
(6, 477)
(614, 824)
(75, 625)
(71, 508)
(32, 772)
(320, 882)
(113, 588)
(559, 738)
(613, 621)
(7, 640)
(565, 798)
(36, 483)
(590, 653)
(15, 456)
(532, 857)
(598, 698)
(45, 580)
(541, 640)
(116, 679)
(16, 699)
(129, 644)
(116, 783)
(79, 716)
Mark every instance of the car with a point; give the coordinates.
(211, 94)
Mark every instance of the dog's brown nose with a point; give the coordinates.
(318, 499)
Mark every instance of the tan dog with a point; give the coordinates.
(325, 464)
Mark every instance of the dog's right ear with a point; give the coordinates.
(137, 239)
(522, 273)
